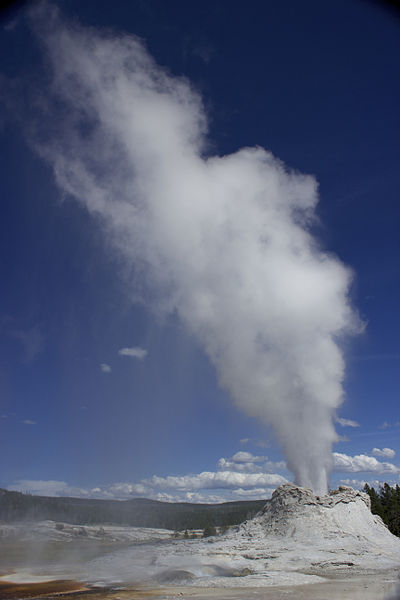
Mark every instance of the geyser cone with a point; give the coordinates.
(298, 538)
(343, 516)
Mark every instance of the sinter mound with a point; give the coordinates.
(340, 523)
(297, 538)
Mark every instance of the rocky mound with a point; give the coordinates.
(340, 523)
(298, 538)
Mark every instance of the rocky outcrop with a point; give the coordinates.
(290, 496)
(297, 513)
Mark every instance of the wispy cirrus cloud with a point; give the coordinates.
(347, 422)
(33, 342)
(389, 425)
(134, 352)
(254, 442)
(31, 338)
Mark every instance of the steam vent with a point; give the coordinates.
(297, 538)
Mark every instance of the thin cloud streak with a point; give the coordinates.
(347, 422)
(136, 352)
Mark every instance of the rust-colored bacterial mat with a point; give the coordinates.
(13, 591)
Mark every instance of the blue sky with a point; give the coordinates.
(313, 83)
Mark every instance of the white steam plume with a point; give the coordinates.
(223, 241)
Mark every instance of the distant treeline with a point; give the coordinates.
(138, 512)
(386, 503)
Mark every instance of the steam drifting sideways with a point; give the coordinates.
(224, 242)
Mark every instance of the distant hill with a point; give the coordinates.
(137, 512)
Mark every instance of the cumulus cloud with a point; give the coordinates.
(246, 462)
(195, 484)
(362, 463)
(224, 242)
(384, 453)
(135, 352)
(216, 480)
(209, 486)
(347, 422)
(205, 487)
(29, 422)
(127, 489)
(224, 464)
(105, 368)
(246, 457)
(193, 497)
(204, 496)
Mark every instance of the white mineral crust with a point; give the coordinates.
(297, 538)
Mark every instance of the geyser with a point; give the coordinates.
(224, 241)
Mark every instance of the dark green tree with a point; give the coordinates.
(386, 504)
